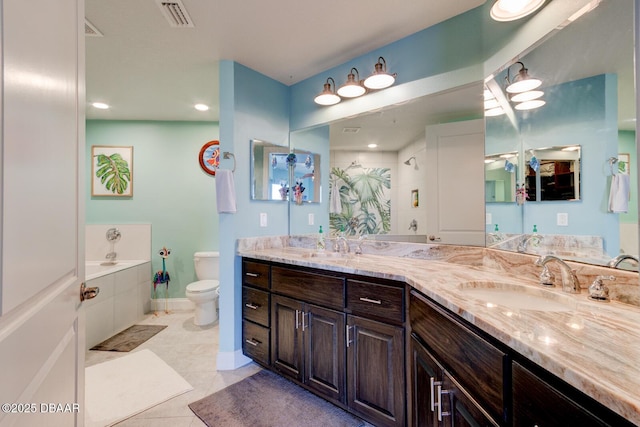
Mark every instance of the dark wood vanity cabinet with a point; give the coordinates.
(341, 337)
(256, 331)
(456, 376)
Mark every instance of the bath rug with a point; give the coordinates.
(123, 387)
(266, 399)
(129, 339)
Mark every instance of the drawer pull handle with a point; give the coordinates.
(303, 325)
(348, 339)
(251, 306)
(432, 393)
(297, 320)
(252, 274)
(372, 301)
(252, 342)
(440, 392)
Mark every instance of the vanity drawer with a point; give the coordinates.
(255, 274)
(255, 305)
(375, 300)
(324, 290)
(475, 362)
(255, 342)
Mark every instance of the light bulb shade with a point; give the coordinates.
(522, 82)
(527, 96)
(511, 10)
(328, 95)
(491, 103)
(380, 79)
(530, 105)
(498, 111)
(352, 88)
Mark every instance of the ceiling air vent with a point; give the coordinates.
(350, 130)
(90, 30)
(175, 13)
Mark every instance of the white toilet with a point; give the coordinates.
(204, 292)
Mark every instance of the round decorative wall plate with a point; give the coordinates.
(209, 157)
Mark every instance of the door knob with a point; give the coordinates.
(88, 293)
(434, 238)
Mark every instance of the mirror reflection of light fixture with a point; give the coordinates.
(352, 88)
(530, 105)
(511, 10)
(529, 95)
(521, 82)
(328, 95)
(498, 111)
(380, 79)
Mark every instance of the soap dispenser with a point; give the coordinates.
(320, 241)
(535, 237)
(498, 234)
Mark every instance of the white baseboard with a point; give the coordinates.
(230, 360)
(173, 304)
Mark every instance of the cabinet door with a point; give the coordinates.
(375, 371)
(425, 373)
(458, 408)
(286, 336)
(324, 352)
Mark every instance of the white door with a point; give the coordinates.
(42, 228)
(455, 183)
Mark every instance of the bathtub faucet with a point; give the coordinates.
(111, 256)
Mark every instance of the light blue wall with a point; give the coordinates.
(582, 112)
(251, 106)
(170, 190)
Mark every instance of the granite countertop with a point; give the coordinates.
(593, 346)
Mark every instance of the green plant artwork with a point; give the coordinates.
(112, 171)
(364, 199)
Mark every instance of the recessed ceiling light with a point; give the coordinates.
(201, 107)
(100, 105)
(372, 145)
(511, 10)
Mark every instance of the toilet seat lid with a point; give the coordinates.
(203, 286)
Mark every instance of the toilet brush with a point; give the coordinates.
(162, 276)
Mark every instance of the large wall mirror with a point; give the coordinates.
(587, 120)
(567, 148)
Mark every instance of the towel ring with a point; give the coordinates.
(229, 155)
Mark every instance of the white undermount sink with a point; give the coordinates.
(517, 297)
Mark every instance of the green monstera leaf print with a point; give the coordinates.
(113, 172)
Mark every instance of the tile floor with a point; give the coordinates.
(190, 350)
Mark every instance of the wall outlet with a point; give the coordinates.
(488, 218)
(562, 219)
(311, 219)
(263, 219)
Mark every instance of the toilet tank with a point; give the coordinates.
(207, 265)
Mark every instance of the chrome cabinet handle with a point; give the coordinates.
(432, 382)
(252, 342)
(373, 301)
(348, 339)
(297, 321)
(252, 274)
(251, 306)
(440, 392)
(303, 325)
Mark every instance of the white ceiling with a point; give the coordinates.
(147, 70)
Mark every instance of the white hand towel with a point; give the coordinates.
(335, 207)
(225, 191)
(619, 193)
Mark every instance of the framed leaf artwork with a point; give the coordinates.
(111, 171)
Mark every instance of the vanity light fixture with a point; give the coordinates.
(380, 79)
(511, 10)
(328, 95)
(491, 103)
(521, 82)
(100, 105)
(352, 88)
(498, 111)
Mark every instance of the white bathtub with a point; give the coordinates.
(95, 269)
(124, 297)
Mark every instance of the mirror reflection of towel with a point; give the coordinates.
(619, 193)
(225, 191)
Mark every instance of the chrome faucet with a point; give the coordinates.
(524, 243)
(341, 245)
(615, 262)
(569, 279)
